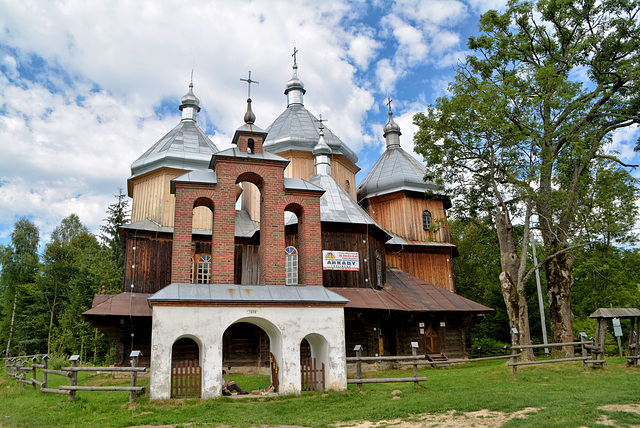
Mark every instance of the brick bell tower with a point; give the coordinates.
(217, 189)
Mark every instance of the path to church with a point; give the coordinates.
(455, 419)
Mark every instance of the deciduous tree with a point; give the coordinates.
(526, 128)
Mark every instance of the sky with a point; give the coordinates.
(86, 87)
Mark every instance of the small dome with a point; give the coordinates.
(190, 99)
(391, 126)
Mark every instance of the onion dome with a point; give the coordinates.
(190, 105)
(391, 131)
(322, 154)
(185, 147)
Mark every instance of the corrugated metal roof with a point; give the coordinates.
(184, 147)
(297, 129)
(234, 152)
(615, 313)
(300, 184)
(337, 206)
(405, 292)
(396, 170)
(244, 226)
(179, 292)
(200, 177)
(123, 304)
(397, 240)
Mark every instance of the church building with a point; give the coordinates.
(268, 255)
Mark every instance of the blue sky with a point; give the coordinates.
(87, 86)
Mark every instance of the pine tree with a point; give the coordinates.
(117, 215)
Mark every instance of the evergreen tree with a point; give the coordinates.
(117, 215)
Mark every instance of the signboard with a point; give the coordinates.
(340, 260)
(617, 329)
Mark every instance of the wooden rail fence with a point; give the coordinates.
(358, 359)
(18, 368)
(585, 347)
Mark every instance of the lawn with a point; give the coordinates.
(561, 395)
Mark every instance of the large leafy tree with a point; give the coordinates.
(525, 130)
(19, 262)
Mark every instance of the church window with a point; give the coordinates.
(204, 270)
(191, 271)
(250, 145)
(426, 219)
(347, 186)
(379, 268)
(291, 265)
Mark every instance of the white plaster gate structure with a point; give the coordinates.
(288, 314)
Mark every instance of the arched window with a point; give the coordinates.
(204, 270)
(250, 145)
(426, 219)
(379, 268)
(291, 265)
(191, 271)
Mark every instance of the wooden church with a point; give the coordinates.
(268, 251)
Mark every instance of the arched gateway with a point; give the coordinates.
(287, 314)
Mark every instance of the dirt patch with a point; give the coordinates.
(451, 419)
(605, 420)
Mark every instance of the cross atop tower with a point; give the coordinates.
(249, 82)
(389, 103)
(295, 57)
(321, 120)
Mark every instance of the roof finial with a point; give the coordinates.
(249, 117)
(295, 57)
(249, 82)
(321, 126)
(190, 104)
(391, 130)
(192, 76)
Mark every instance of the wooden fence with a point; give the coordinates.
(18, 368)
(358, 359)
(585, 347)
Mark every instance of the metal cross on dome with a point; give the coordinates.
(295, 58)
(321, 120)
(249, 82)
(389, 103)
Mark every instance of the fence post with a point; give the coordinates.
(45, 362)
(134, 375)
(414, 352)
(514, 332)
(75, 359)
(583, 342)
(23, 374)
(358, 350)
(34, 372)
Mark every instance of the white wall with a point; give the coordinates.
(286, 327)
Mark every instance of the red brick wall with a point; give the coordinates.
(269, 177)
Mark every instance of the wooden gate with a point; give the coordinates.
(186, 378)
(275, 382)
(312, 377)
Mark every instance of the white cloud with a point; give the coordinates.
(363, 50)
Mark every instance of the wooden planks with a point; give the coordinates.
(186, 379)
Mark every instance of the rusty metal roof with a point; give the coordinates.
(123, 304)
(615, 313)
(405, 292)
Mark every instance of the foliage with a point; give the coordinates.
(117, 215)
(19, 262)
(562, 394)
(51, 296)
(525, 133)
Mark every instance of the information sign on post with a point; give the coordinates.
(617, 331)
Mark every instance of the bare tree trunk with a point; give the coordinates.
(13, 317)
(559, 284)
(510, 285)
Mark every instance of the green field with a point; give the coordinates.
(561, 394)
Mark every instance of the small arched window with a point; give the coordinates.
(204, 270)
(426, 219)
(291, 265)
(379, 268)
(250, 145)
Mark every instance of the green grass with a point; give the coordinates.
(564, 394)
